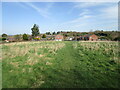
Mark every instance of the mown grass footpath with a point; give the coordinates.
(61, 65)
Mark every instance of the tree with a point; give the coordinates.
(25, 37)
(84, 33)
(117, 38)
(58, 32)
(48, 33)
(74, 34)
(35, 30)
(66, 35)
(44, 36)
(103, 38)
(78, 34)
(4, 35)
(53, 33)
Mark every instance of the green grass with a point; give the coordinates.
(61, 65)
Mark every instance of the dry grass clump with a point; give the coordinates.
(20, 54)
(90, 45)
(106, 46)
(24, 70)
(116, 59)
(15, 64)
(31, 62)
(75, 45)
(48, 63)
(23, 48)
(39, 82)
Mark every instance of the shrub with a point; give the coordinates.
(117, 39)
(4, 35)
(0, 39)
(25, 37)
(103, 38)
(3, 38)
(44, 36)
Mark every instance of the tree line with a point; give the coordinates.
(107, 35)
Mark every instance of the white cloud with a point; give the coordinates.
(85, 12)
(81, 22)
(42, 12)
(87, 4)
(110, 12)
(78, 20)
(22, 5)
(82, 17)
(104, 18)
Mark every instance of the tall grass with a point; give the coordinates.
(51, 64)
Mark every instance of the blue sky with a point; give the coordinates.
(19, 17)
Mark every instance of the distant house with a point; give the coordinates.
(90, 37)
(70, 38)
(36, 38)
(11, 39)
(50, 37)
(59, 38)
(80, 38)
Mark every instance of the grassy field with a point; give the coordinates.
(53, 64)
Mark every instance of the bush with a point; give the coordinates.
(4, 35)
(117, 39)
(103, 38)
(3, 38)
(0, 39)
(44, 36)
(25, 37)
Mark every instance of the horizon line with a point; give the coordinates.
(67, 31)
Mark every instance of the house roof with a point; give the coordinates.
(59, 35)
(88, 35)
(50, 35)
